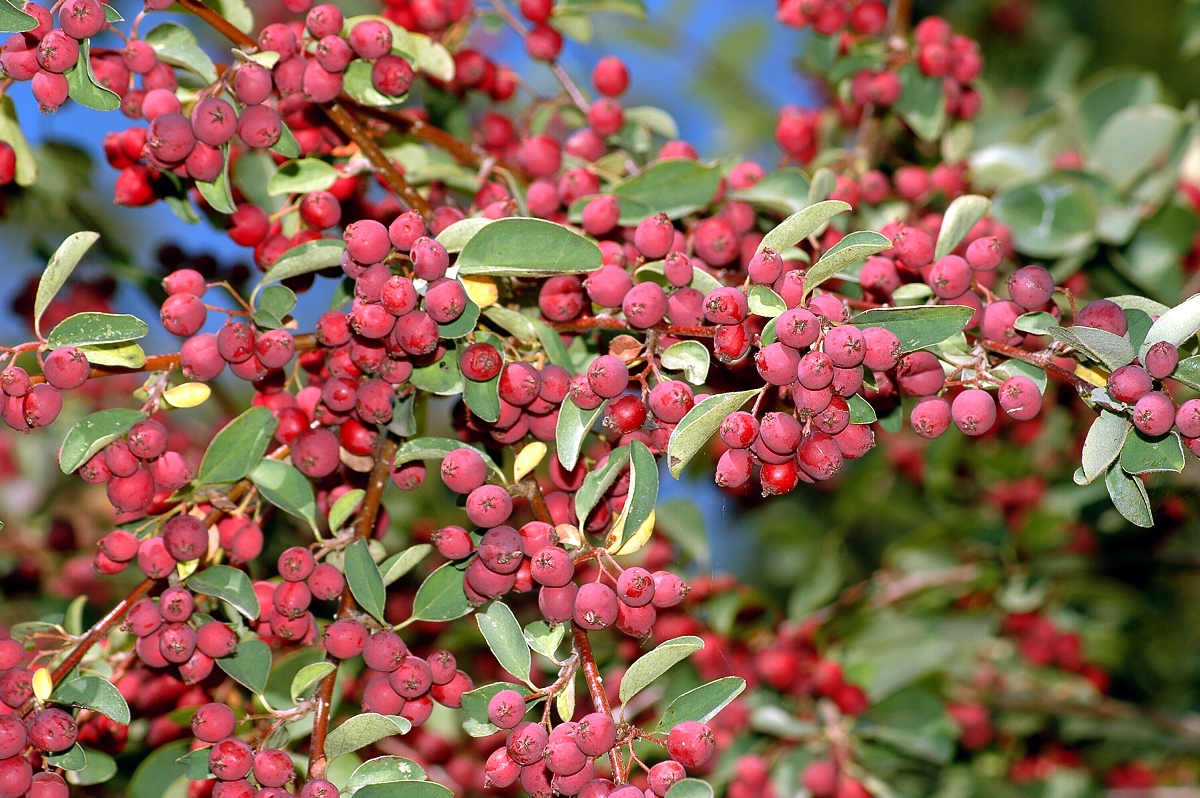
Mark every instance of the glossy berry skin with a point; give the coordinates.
(691, 744)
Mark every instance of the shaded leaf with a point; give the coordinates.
(1142, 455)
(364, 579)
(229, 584)
(573, 426)
(285, 487)
(92, 433)
(238, 447)
(1128, 495)
(94, 693)
(250, 665)
(598, 480)
(696, 428)
(441, 596)
(1100, 345)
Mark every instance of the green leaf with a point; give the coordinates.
(912, 721)
(82, 86)
(158, 772)
(92, 433)
(693, 432)
(229, 584)
(127, 354)
(1142, 455)
(519, 247)
(94, 693)
(176, 45)
(573, 426)
(301, 176)
(364, 579)
(413, 789)
(1187, 371)
(964, 212)
(643, 495)
(456, 236)
(782, 191)
(1139, 324)
(441, 596)
(343, 508)
(475, 704)
(463, 325)
(437, 449)
(308, 257)
(505, 638)
(308, 676)
(441, 378)
(432, 58)
(917, 327)
(599, 480)
(63, 262)
(690, 357)
(922, 103)
(1105, 439)
(676, 187)
(363, 730)
(250, 665)
(861, 411)
(90, 328)
(196, 762)
(1176, 326)
(238, 447)
(286, 488)
(384, 770)
(1015, 368)
(824, 181)
(690, 788)
(1050, 217)
(100, 768)
(219, 193)
(357, 83)
(74, 758)
(398, 565)
(287, 146)
(1144, 304)
(762, 301)
(483, 398)
(799, 226)
(702, 703)
(553, 346)
(1038, 323)
(1128, 495)
(11, 133)
(1133, 141)
(1100, 345)
(656, 119)
(845, 253)
(545, 638)
(653, 664)
(516, 323)
(274, 304)
(14, 21)
(630, 8)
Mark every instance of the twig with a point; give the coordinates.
(607, 323)
(899, 18)
(364, 523)
(1041, 361)
(591, 674)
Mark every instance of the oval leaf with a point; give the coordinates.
(92, 434)
(703, 703)
(301, 176)
(441, 596)
(850, 250)
(308, 257)
(598, 481)
(250, 665)
(1177, 325)
(364, 579)
(87, 328)
(62, 263)
(94, 693)
(229, 584)
(176, 45)
(639, 504)
(1128, 495)
(690, 357)
(362, 730)
(961, 216)
(308, 676)
(506, 640)
(799, 226)
(700, 423)
(573, 426)
(1100, 345)
(917, 327)
(1142, 455)
(286, 488)
(520, 247)
(398, 565)
(238, 447)
(655, 663)
(384, 770)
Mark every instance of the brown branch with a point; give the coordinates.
(591, 674)
(1040, 360)
(350, 126)
(101, 628)
(606, 323)
(336, 113)
(170, 362)
(899, 18)
(364, 523)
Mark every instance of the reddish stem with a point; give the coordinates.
(364, 524)
(605, 323)
(1041, 361)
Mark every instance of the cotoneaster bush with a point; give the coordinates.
(548, 318)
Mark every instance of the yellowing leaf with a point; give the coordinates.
(569, 535)
(190, 394)
(43, 686)
(482, 290)
(528, 460)
(1090, 375)
(638, 539)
